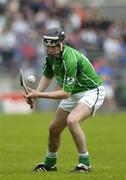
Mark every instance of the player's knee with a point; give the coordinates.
(71, 122)
(53, 129)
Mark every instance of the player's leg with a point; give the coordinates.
(55, 129)
(80, 113)
(86, 107)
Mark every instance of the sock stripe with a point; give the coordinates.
(86, 154)
(51, 156)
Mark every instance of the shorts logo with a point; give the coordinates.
(70, 80)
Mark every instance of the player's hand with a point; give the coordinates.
(31, 102)
(32, 95)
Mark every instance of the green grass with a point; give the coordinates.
(23, 143)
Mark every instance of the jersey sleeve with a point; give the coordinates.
(70, 67)
(47, 70)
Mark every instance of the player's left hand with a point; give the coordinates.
(32, 94)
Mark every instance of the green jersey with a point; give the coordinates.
(73, 71)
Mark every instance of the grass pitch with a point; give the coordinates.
(23, 143)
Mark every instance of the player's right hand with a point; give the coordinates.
(30, 102)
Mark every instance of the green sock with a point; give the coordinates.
(50, 160)
(84, 159)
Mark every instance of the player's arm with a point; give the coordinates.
(43, 83)
(45, 80)
(60, 94)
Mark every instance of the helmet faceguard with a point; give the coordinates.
(54, 37)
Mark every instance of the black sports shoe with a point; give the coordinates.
(82, 168)
(41, 167)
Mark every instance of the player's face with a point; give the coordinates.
(53, 50)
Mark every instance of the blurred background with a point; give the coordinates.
(97, 28)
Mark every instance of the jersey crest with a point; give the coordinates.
(70, 80)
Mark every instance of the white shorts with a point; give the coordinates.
(93, 99)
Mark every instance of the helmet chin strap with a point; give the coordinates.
(61, 46)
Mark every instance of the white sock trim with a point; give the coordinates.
(52, 154)
(84, 154)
